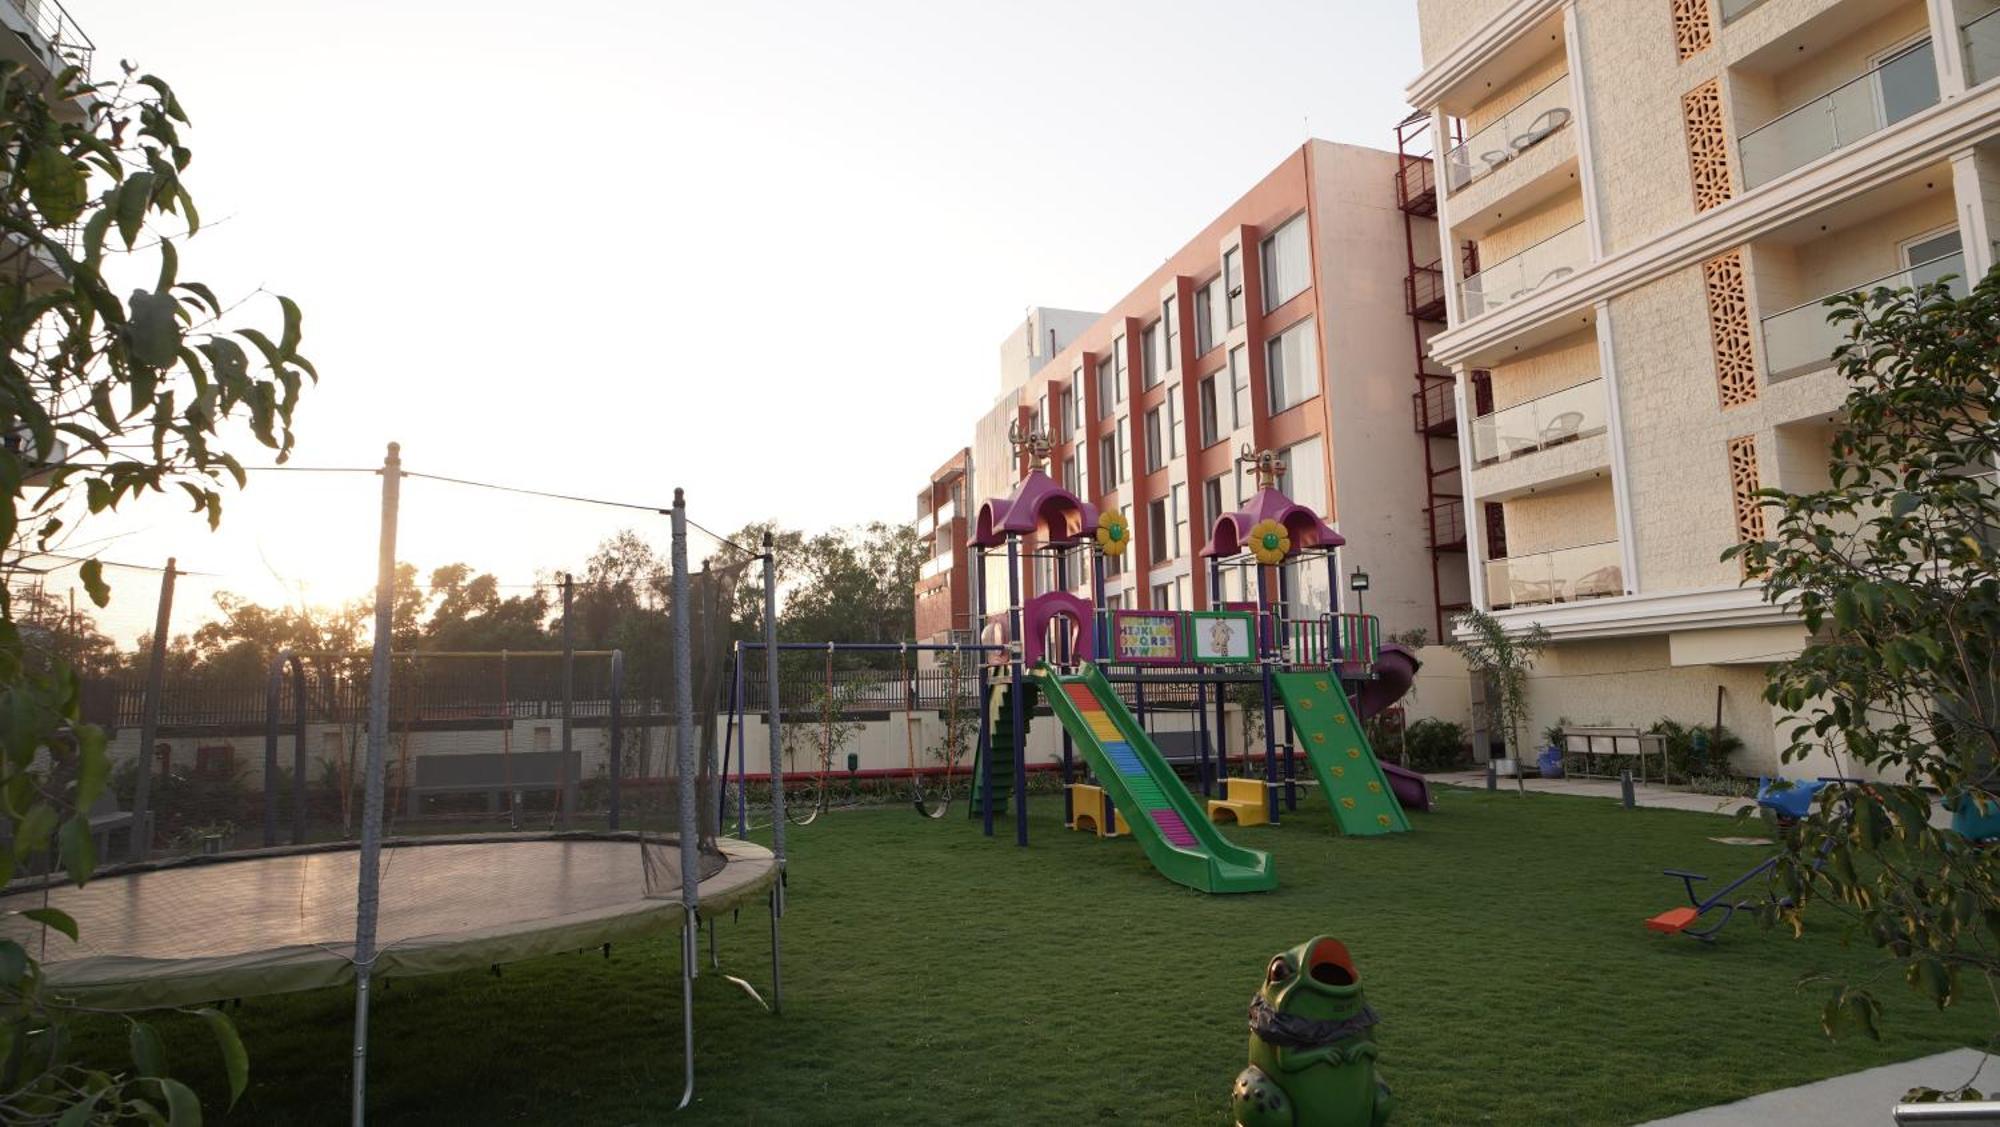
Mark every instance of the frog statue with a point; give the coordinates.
(1312, 1052)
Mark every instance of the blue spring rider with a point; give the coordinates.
(1789, 802)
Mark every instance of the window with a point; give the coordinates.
(215, 761)
(1239, 387)
(1155, 449)
(1040, 418)
(1124, 447)
(1055, 419)
(1076, 399)
(1286, 262)
(1107, 461)
(1118, 369)
(1303, 475)
(1205, 335)
(1157, 527)
(1180, 513)
(1170, 318)
(1173, 422)
(1149, 355)
(1210, 425)
(1114, 600)
(1183, 593)
(1232, 283)
(544, 739)
(1291, 367)
(1107, 378)
(1211, 499)
(1070, 481)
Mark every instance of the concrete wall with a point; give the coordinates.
(1564, 362)
(1632, 682)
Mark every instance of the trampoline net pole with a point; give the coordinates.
(369, 891)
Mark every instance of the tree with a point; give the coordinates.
(854, 585)
(470, 614)
(93, 191)
(1503, 658)
(1894, 568)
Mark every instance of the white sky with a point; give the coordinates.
(763, 251)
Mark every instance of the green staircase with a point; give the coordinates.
(1331, 735)
(997, 771)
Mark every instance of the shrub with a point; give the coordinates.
(1437, 745)
(1696, 751)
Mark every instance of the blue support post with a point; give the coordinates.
(1206, 768)
(1270, 733)
(1019, 681)
(1068, 751)
(1282, 630)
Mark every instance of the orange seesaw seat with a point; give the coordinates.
(1673, 921)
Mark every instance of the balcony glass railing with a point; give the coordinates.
(1982, 48)
(1540, 266)
(53, 23)
(1800, 340)
(1880, 98)
(1521, 129)
(1566, 575)
(1549, 420)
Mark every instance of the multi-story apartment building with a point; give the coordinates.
(944, 597)
(1279, 326)
(1639, 207)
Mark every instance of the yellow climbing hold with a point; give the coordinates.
(1354, 753)
(1339, 771)
(1340, 719)
(1306, 704)
(1382, 819)
(1348, 802)
(1319, 737)
(1374, 788)
(1321, 685)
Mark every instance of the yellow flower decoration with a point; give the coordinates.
(1113, 537)
(1269, 542)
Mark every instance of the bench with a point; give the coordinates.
(1086, 804)
(1616, 744)
(490, 772)
(1243, 802)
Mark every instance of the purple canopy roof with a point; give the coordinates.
(1037, 505)
(1231, 533)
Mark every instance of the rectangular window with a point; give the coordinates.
(1107, 379)
(1149, 355)
(1239, 387)
(1205, 335)
(1118, 368)
(1291, 367)
(1304, 476)
(1211, 499)
(1076, 399)
(1171, 319)
(1232, 283)
(1211, 432)
(1163, 596)
(1157, 528)
(1070, 480)
(1286, 262)
(1156, 451)
(1173, 422)
(1124, 447)
(1180, 512)
(1183, 593)
(1114, 601)
(1107, 461)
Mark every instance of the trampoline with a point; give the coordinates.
(273, 921)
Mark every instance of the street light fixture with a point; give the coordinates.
(1358, 583)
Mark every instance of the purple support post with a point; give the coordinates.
(1283, 630)
(1020, 686)
(1068, 760)
(1264, 678)
(1333, 653)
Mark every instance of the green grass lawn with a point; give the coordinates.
(935, 976)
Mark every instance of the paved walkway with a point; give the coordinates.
(1859, 1099)
(1644, 794)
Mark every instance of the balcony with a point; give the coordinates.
(1434, 407)
(56, 40)
(1521, 129)
(1565, 575)
(1545, 421)
(1800, 340)
(1423, 292)
(1981, 39)
(1444, 525)
(1416, 186)
(1878, 99)
(1532, 270)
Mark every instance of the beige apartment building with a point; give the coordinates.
(1640, 205)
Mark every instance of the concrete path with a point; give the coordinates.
(1644, 794)
(1859, 1099)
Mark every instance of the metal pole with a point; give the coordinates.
(569, 768)
(298, 748)
(1264, 679)
(1020, 685)
(982, 751)
(771, 722)
(617, 730)
(271, 696)
(368, 895)
(1068, 752)
(684, 775)
(149, 718)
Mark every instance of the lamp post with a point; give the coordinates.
(1358, 583)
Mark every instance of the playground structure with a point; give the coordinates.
(1092, 667)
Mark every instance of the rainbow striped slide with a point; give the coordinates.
(1165, 818)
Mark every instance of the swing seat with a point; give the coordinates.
(1243, 802)
(1673, 921)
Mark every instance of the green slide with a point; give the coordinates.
(1331, 734)
(1168, 821)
